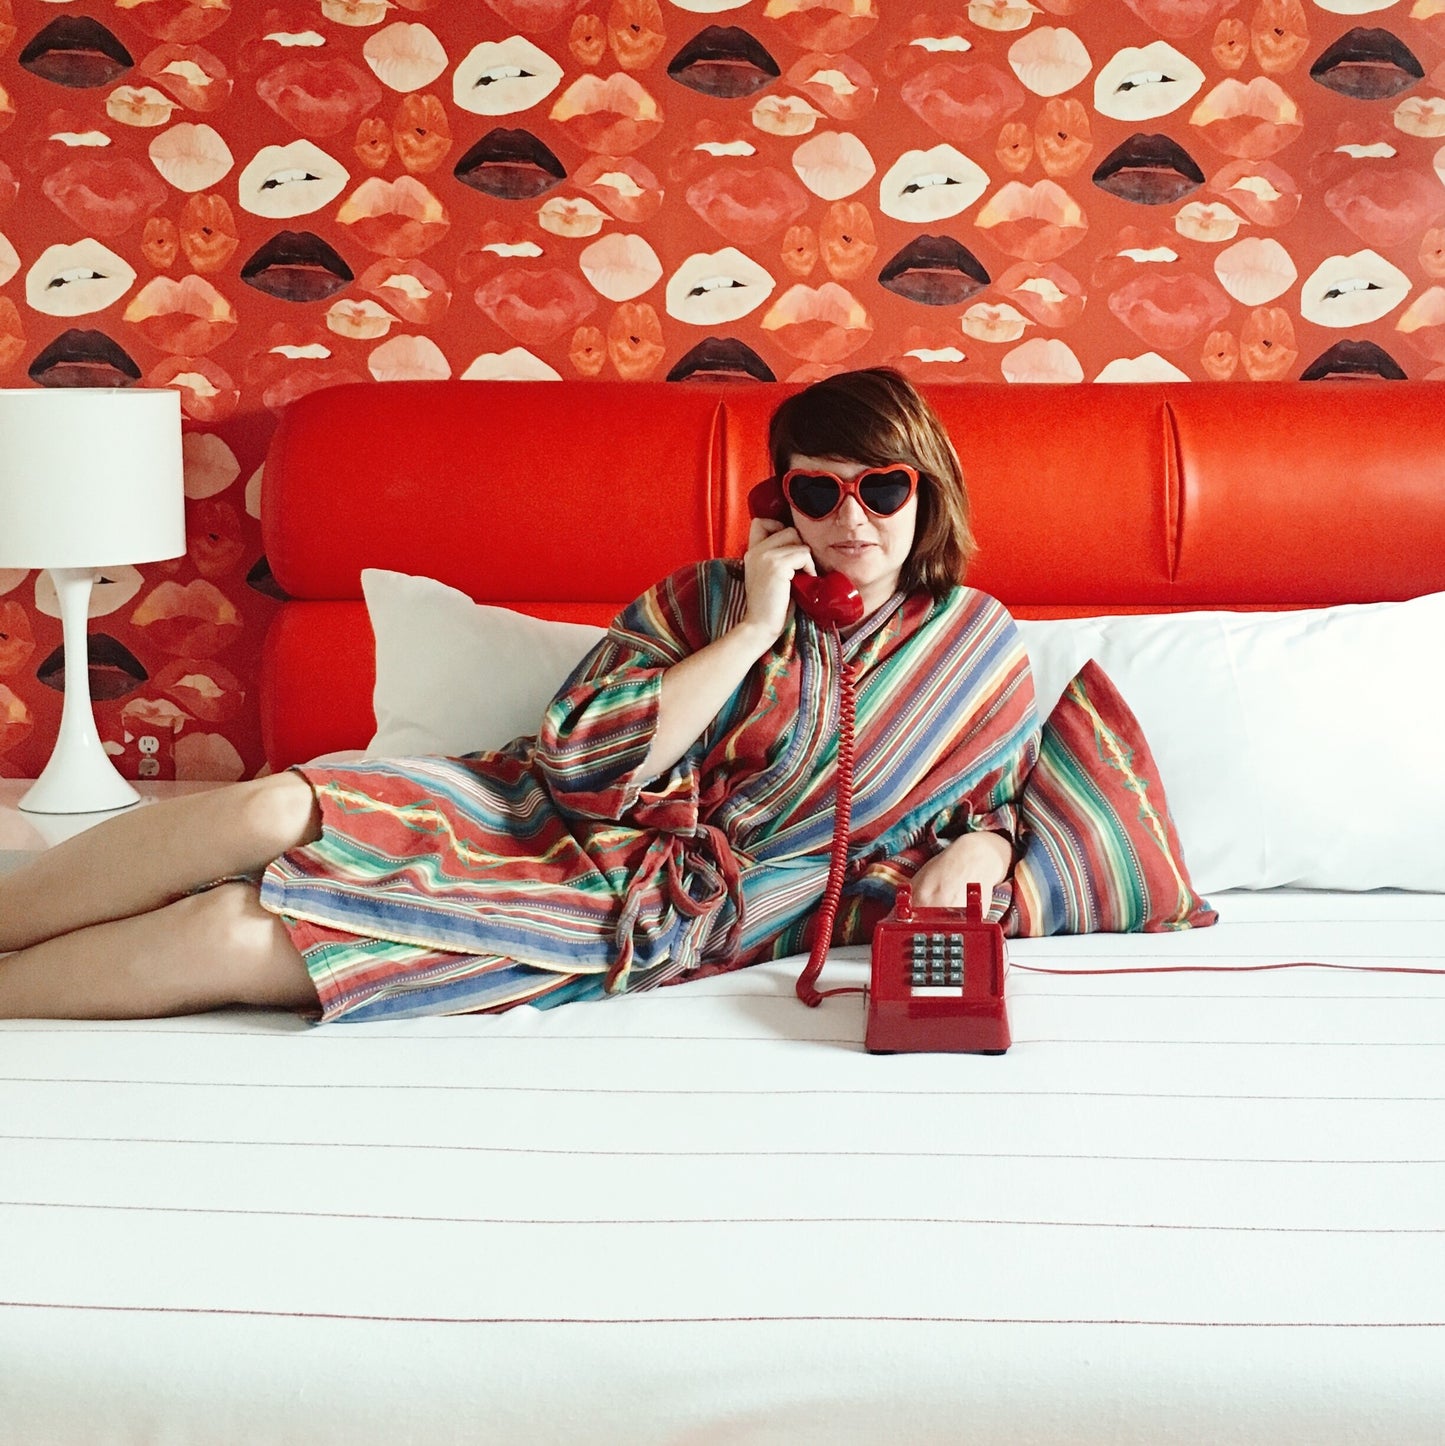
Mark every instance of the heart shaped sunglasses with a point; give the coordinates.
(879, 490)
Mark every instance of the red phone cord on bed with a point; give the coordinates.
(838, 859)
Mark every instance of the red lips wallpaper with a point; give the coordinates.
(248, 202)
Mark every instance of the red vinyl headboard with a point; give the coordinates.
(568, 499)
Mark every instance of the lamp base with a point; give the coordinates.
(80, 778)
(79, 784)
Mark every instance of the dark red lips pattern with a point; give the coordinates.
(249, 202)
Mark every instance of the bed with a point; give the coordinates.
(1199, 1206)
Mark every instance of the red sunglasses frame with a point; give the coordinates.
(852, 488)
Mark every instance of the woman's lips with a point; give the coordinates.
(1152, 170)
(535, 306)
(1051, 295)
(747, 203)
(846, 240)
(620, 267)
(181, 21)
(1169, 310)
(725, 62)
(1267, 345)
(406, 56)
(612, 117)
(1049, 60)
(621, 184)
(838, 83)
(1352, 290)
(143, 106)
(1255, 270)
(833, 164)
(712, 288)
(77, 279)
(721, 359)
(500, 77)
(1248, 121)
(114, 670)
(394, 218)
(1178, 18)
(84, 359)
(203, 688)
(1368, 65)
(1144, 83)
(208, 392)
(1034, 223)
(512, 165)
(821, 324)
(784, 115)
(192, 157)
(411, 290)
(186, 318)
(934, 270)
(297, 266)
(824, 24)
(634, 340)
(192, 621)
(994, 322)
(190, 73)
(1260, 190)
(1347, 359)
(1042, 359)
(924, 186)
(104, 195)
(1423, 323)
(1385, 205)
(319, 98)
(963, 101)
(76, 51)
(290, 180)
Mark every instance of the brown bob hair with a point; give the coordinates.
(876, 416)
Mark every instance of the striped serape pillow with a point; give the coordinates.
(1101, 854)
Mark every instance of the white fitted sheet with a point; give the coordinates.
(1196, 1207)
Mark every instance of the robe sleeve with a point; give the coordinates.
(1009, 729)
(598, 728)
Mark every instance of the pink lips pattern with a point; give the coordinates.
(247, 202)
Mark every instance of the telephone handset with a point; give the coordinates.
(937, 981)
(831, 600)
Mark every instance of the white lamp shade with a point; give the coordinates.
(90, 476)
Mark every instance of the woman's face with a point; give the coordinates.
(869, 551)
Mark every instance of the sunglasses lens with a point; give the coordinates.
(814, 494)
(885, 492)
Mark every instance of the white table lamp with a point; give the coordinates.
(90, 477)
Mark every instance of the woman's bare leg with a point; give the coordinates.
(208, 951)
(148, 857)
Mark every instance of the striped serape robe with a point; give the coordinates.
(552, 870)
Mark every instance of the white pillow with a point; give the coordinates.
(1296, 748)
(454, 676)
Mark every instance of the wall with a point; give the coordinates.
(247, 203)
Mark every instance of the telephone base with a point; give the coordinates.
(937, 983)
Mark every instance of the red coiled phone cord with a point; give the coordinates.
(838, 861)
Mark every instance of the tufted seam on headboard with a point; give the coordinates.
(717, 480)
(1173, 493)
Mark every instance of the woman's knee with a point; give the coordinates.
(244, 950)
(281, 811)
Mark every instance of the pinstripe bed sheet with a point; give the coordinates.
(1202, 1207)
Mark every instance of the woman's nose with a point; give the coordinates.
(851, 511)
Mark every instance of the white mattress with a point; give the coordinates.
(1198, 1207)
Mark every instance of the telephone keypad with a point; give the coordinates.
(935, 963)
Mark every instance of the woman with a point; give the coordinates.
(673, 817)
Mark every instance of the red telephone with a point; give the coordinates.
(937, 973)
(831, 600)
(937, 981)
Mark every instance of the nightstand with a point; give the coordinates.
(22, 834)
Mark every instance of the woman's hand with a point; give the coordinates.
(775, 552)
(972, 858)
